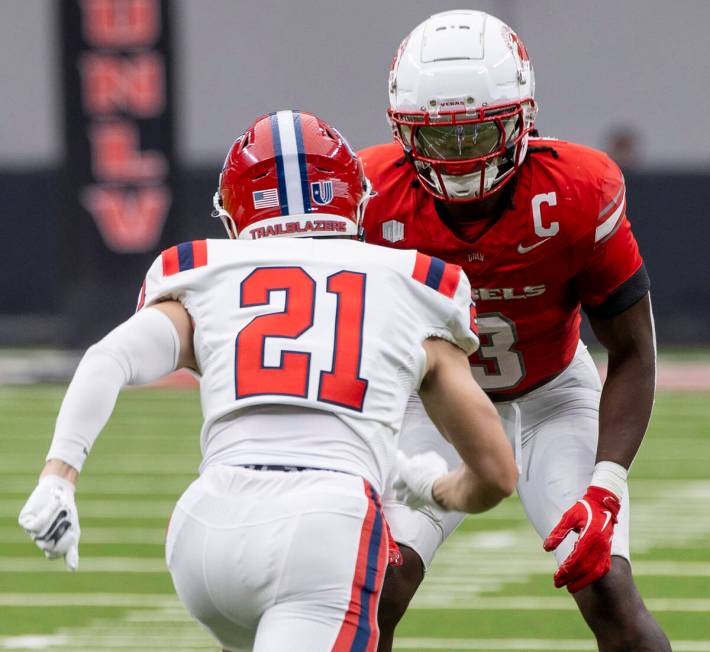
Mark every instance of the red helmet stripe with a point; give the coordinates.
(303, 169)
(280, 174)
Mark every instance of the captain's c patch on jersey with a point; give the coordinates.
(185, 256)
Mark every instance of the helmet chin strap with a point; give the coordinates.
(362, 205)
(227, 221)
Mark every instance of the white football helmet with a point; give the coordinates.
(461, 92)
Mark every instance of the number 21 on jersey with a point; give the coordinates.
(342, 384)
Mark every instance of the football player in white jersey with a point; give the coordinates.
(307, 349)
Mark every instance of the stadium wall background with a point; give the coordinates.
(673, 235)
(62, 285)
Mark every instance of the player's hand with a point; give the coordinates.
(50, 518)
(594, 517)
(416, 476)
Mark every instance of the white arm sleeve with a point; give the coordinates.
(142, 349)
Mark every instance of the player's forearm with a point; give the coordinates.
(467, 418)
(625, 406)
(474, 428)
(462, 491)
(87, 406)
(628, 392)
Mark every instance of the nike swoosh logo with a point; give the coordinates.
(608, 518)
(524, 250)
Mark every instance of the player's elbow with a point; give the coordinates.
(103, 360)
(505, 482)
(508, 479)
(484, 498)
(489, 485)
(500, 481)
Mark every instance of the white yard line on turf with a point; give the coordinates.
(105, 484)
(521, 644)
(99, 637)
(431, 600)
(494, 567)
(123, 463)
(127, 600)
(110, 535)
(38, 564)
(459, 600)
(104, 644)
(109, 508)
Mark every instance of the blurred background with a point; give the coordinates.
(115, 123)
(116, 117)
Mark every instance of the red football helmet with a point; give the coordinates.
(291, 174)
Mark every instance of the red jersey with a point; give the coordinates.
(563, 241)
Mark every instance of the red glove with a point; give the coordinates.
(594, 517)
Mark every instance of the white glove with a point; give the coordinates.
(51, 519)
(415, 478)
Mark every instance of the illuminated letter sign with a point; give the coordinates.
(118, 118)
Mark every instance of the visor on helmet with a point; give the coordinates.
(465, 155)
(463, 141)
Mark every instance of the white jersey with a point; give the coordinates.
(309, 348)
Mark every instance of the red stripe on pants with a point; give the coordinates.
(382, 558)
(349, 628)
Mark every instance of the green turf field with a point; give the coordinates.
(490, 588)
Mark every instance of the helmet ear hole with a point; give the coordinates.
(219, 211)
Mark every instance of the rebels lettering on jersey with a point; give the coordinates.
(335, 326)
(563, 242)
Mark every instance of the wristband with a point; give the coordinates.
(610, 476)
(57, 482)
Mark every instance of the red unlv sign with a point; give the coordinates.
(118, 117)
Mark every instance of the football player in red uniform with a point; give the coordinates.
(540, 227)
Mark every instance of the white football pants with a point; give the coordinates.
(553, 430)
(274, 561)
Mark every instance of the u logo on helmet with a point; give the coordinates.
(322, 192)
